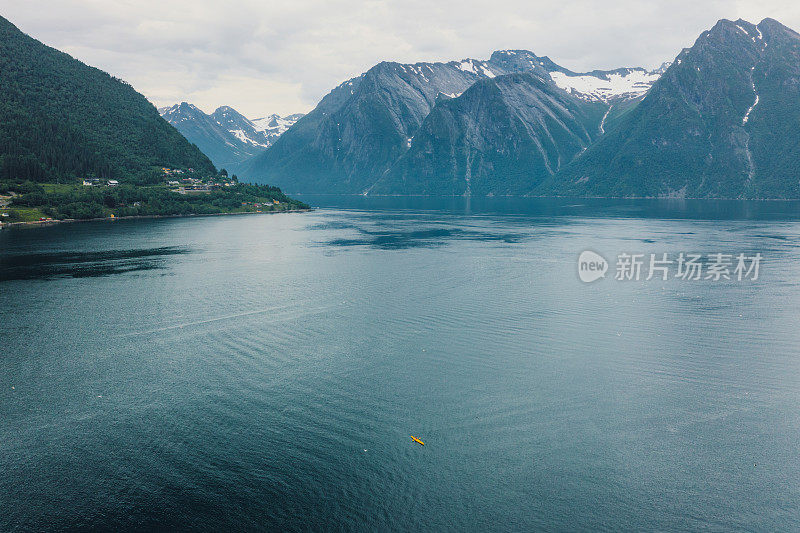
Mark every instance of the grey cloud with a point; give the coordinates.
(269, 56)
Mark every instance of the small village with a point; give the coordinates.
(175, 180)
(186, 185)
(178, 181)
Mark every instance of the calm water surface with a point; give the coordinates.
(265, 372)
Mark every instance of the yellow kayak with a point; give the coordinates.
(415, 439)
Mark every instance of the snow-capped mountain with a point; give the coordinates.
(720, 122)
(597, 85)
(226, 136)
(240, 127)
(360, 130)
(274, 125)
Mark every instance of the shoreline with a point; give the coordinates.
(41, 223)
(565, 197)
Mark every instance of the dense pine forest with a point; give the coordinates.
(61, 120)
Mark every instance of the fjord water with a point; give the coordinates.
(266, 372)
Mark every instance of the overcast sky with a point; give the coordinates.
(265, 56)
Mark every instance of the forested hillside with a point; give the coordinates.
(61, 119)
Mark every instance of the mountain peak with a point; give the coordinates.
(506, 53)
(737, 36)
(772, 23)
(185, 107)
(228, 114)
(772, 27)
(226, 136)
(727, 27)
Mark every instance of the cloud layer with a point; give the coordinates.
(270, 56)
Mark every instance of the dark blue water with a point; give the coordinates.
(265, 372)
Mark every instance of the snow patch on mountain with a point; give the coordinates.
(603, 120)
(242, 136)
(468, 65)
(276, 124)
(750, 109)
(625, 83)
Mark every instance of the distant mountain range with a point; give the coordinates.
(61, 119)
(362, 137)
(720, 121)
(226, 136)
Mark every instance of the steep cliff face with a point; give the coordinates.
(721, 122)
(301, 158)
(502, 136)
